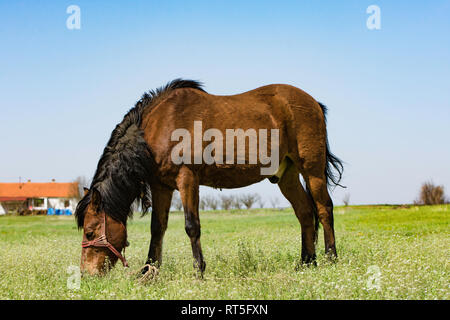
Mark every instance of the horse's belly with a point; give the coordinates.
(230, 176)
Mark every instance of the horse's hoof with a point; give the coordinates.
(331, 255)
(200, 269)
(148, 272)
(144, 270)
(304, 264)
(332, 258)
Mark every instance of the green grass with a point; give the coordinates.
(249, 255)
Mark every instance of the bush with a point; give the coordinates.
(226, 202)
(202, 204)
(248, 200)
(261, 202)
(211, 202)
(274, 202)
(431, 194)
(236, 202)
(346, 199)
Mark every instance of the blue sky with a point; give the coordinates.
(388, 91)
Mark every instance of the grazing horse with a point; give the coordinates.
(138, 164)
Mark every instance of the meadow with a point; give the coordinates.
(385, 252)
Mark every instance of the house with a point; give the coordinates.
(16, 197)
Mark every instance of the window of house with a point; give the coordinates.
(38, 202)
(66, 203)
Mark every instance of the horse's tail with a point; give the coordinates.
(333, 162)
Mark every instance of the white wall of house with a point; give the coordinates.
(45, 203)
(55, 203)
(60, 203)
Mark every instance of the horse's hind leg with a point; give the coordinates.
(312, 151)
(188, 185)
(161, 201)
(317, 184)
(301, 202)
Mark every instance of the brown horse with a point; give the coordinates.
(138, 163)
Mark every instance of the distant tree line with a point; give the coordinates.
(430, 194)
(227, 202)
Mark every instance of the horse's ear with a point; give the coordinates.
(86, 190)
(96, 198)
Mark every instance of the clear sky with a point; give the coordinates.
(388, 91)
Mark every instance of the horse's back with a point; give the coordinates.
(274, 100)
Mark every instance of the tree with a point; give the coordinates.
(83, 182)
(236, 202)
(431, 194)
(274, 202)
(202, 204)
(346, 199)
(211, 202)
(261, 202)
(226, 202)
(249, 199)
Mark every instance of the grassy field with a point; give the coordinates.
(384, 253)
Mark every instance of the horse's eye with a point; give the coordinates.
(89, 235)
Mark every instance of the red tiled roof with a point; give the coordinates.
(36, 190)
(4, 199)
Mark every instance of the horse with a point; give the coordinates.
(138, 164)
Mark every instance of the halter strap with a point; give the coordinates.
(103, 242)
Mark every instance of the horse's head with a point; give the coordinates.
(103, 237)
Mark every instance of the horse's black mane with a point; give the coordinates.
(124, 169)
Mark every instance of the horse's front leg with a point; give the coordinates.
(188, 186)
(161, 201)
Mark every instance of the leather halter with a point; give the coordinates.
(103, 242)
